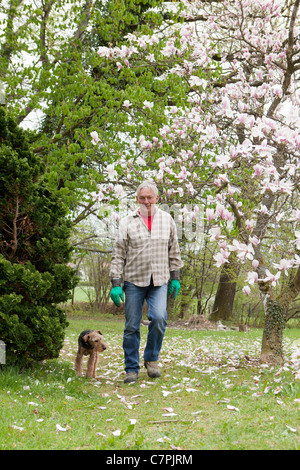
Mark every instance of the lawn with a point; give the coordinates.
(213, 394)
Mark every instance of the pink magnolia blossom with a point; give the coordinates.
(210, 214)
(229, 217)
(277, 90)
(183, 174)
(97, 196)
(95, 137)
(252, 277)
(215, 233)
(242, 118)
(246, 147)
(197, 82)
(279, 217)
(145, 144)
(250, 224)
(255, 264)
(220, 211)
(105, 52)
(223, 161)
(221, 258)
(111, 171)
(243, 251)
(254, 240)
(286, 186)
(148, 104)
(140, 161)
(258, 169)
(297, 241)
(170, 50)
(264, 149)
(284, 265)
(119, 190)
(258, 130)
(246, 290)
(226, 108)
(272, 278)
(264, 209)
(231, 190)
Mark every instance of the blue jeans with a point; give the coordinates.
(156, 298)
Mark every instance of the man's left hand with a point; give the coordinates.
(175, 285)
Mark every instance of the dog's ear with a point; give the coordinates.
(86, 338)
(98, 331)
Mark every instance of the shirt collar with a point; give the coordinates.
(136, 211)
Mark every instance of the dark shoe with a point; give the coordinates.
(131, 377)
(152, 368)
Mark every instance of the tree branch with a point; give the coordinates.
(46, 11)
(15, 231)
(290, 65)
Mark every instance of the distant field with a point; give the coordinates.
(82, 294)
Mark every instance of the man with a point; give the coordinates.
(146, 249)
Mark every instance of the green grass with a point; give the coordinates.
(213, 394)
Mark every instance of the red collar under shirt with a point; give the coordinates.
(147, 219)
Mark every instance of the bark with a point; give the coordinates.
(271, 348)
(275, 319)
(223, 304)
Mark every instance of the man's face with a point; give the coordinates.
(147, 200)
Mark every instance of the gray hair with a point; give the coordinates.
(149, 185)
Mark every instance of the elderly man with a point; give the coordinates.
(147, 250)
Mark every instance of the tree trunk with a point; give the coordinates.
(199, 307)
(275, 319)
(271, 348)
(223, 304)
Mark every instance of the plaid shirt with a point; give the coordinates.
(141, 253)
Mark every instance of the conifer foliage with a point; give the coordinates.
(34, 251)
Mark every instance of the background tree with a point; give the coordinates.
(52, 75)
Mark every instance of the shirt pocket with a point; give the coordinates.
(137, 241)
(137, 237)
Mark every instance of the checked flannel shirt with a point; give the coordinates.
(139, 253)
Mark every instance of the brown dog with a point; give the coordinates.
(89, 344)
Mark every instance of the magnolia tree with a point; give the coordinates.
(232, 143)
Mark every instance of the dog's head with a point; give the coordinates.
(95, 340)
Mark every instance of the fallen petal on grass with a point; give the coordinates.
(232, 408)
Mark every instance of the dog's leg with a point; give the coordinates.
(95, 363)
(88, 366)
(89, 369)
(90, 372)
(78, 362)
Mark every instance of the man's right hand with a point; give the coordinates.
(115, 295)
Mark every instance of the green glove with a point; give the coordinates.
(174, 285)
(115, 295)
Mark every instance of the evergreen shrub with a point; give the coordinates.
(34, 252)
